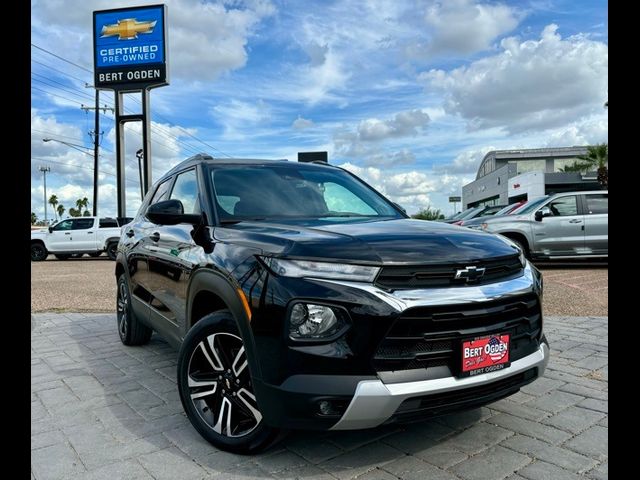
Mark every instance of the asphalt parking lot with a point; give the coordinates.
(88, 285)
(100, 410)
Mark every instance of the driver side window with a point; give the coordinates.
(564, 206)
(64, 225)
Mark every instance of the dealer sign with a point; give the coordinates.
(130, 47)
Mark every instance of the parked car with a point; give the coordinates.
(76, 236)
(299, 297)
(508, 210)
(473, 212)
(564, 225)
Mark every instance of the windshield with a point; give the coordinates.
(530, 206)
(504, 211)
(281, 191)
(460, 215)
(470, 213)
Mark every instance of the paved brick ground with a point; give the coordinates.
(100, 410)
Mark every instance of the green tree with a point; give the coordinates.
(53, 201)
(34, 218)
(429, 214)
(82, 203)
(596, 158)
(86, 213)
(74, 212)
(60, 209)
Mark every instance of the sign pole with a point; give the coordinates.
(146, 141)
(122, 199)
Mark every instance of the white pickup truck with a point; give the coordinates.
(76, 236)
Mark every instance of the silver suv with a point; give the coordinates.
(564, 225)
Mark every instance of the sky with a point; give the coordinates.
(407, 94)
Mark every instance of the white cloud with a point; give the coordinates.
(530, 85)
(464, 27)
(589, 132)
(302, 123)
(358, 142)
(467, 161)
(206, 39)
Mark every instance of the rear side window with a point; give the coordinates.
(186, 190)
(564, 206)
(162, 192)
(597, 204)
(82, 223)
(108, 223)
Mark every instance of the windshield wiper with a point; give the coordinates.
(233, 221)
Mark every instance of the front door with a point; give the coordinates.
(83, 235)
(172, 255)
(59, 240)
(562, 233)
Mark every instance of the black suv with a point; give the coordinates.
(301, 298)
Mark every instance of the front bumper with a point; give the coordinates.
(374, 402)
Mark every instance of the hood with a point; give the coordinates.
(400, 241)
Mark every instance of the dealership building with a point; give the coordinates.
(508, 176)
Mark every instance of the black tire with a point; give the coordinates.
(523, 246)
(38, 252)
(130, 329)
(112, 250)
(225, 386)
(95, 254)
(62, 256)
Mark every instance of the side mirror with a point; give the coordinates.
(543, 212)
(50, 229)
(170, 212)
(400, 207)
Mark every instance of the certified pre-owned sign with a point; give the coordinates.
(130, 47)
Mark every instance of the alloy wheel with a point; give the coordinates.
(220, 388)
(123, 309)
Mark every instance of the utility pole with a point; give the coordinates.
(44, 171)
(139, 155)
(96, 145)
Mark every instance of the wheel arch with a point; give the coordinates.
(521, 238)
(38, 240)
(209, 292)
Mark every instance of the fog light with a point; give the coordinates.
(331, 407)
(325, 408)
(310, 321)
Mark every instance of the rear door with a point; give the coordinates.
(596, 218)
(561, 234)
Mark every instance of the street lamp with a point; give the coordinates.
(44, 170)
(95, 167)
(139, 155)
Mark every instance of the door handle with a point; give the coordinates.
(575, 220)
(130, 233)
(67, 233)
(155, 236)
(89, 233)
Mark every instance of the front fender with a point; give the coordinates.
(230, 294)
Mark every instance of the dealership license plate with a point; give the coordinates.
(485, 355)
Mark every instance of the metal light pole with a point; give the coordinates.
(44, 171)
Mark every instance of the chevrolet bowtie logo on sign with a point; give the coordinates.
(127, 29)
(130, 48)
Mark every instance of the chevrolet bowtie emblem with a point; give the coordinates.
(127, 29)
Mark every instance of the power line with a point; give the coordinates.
(59, 71)
(41, 159)
(55, 95)
(60, 88)
(63, 59)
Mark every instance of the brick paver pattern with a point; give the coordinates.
(100, 410)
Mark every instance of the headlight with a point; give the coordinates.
(305, 268)
(308, 321)
(484, 226)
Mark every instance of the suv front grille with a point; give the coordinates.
(422, 276)
(425, 337)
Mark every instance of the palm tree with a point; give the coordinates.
(73, 212)
(80, 204)
(34, 218)
(53, 201)
(60, 210)
(598, 156)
